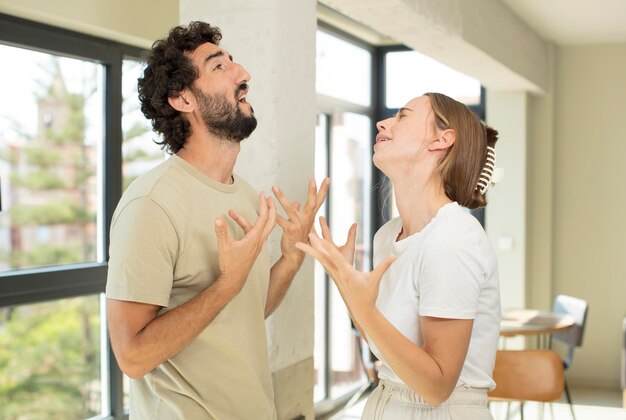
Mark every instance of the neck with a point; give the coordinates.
(418, 202)
(211, 155)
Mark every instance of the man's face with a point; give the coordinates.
(220, 91)
(224, 118)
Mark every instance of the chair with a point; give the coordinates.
(528, 375)
(572, 337)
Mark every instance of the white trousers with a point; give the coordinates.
(395, 401)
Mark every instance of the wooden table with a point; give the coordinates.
(540, 323)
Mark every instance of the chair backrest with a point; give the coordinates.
(573, 337)
(528, 375)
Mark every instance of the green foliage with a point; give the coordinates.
(142, 155)
(41, 179)
(47, 255)
(82, 175)
(9, 155)
(63, 211)
(73, 131)
(49, 360)
(42, 156)
(136, 130)
(127, 180)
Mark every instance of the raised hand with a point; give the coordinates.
(359, 290)
(298, 223)
(237, 257)
(347, 249)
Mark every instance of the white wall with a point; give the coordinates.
(505, 215)
(590, 198)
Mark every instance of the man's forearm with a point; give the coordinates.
(281, 276)
(168, 334)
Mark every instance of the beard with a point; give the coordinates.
(223, 118)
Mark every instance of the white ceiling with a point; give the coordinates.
(569, 22)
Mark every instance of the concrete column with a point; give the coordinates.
(275, 41)
(541, 196)
(505, 216)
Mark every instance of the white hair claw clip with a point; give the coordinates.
(490, 174)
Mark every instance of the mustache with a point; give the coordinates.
(240, 88)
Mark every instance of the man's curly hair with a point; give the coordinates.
(168, 72)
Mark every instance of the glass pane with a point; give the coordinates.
(50, 360)
(410, 74)
(343, 70)
(51, 133)
(351, 163)
(321, 282)
(139, 152)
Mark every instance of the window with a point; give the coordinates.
(51, 136)
(343, 152)
(343, 69)
(139, 152)
(61, 139)
(410, 73)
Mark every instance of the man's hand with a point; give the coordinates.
(237, 257)
(298, 224)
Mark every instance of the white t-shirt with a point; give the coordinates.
(448, 270)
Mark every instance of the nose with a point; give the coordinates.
(382, 125)
(242, 75)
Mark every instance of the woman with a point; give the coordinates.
(432, 317)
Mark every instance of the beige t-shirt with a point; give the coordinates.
(164, 252)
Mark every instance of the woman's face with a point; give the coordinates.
(403, 139)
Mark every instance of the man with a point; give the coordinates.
(189, 288)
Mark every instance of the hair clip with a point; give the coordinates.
(490, 174)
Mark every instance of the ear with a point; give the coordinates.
(445, 140)
(181, 103)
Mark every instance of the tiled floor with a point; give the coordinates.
(589, 404)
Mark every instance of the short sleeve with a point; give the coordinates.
(450, 278)
(142, 254)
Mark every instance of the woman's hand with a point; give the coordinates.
(359, 290)
(347, 249)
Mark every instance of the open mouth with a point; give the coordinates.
(381, 138)
(241, 96)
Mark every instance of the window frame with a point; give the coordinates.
(328, 105)
(66, 281)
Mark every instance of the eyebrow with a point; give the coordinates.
(215, 55)
(401, 110)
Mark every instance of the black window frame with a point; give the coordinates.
(66, 281)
